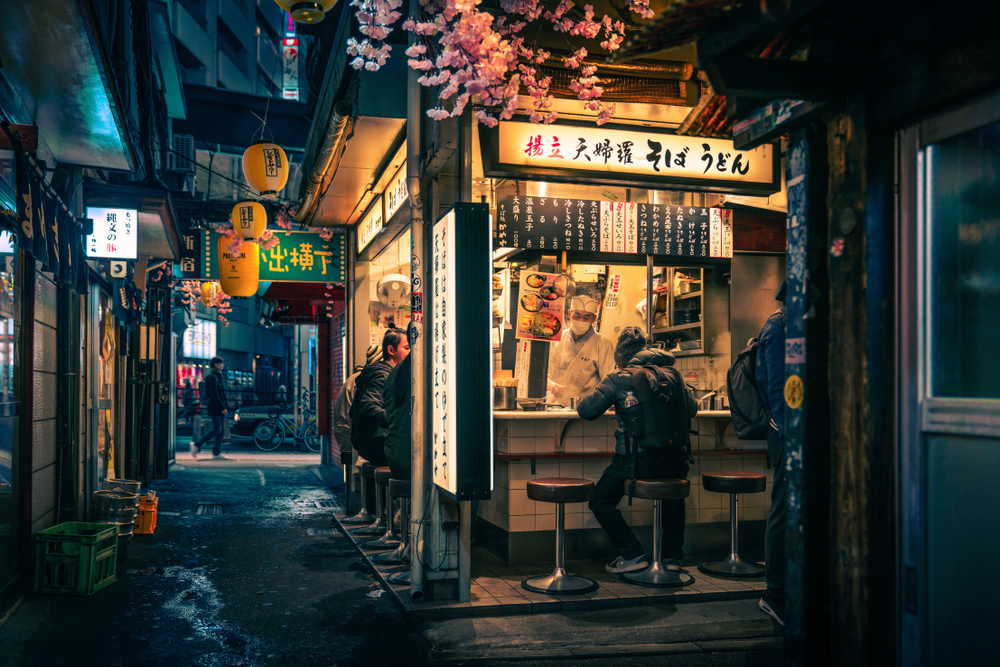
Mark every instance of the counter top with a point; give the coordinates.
(572, 414)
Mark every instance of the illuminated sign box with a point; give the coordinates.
(199, 340)
(370, 225)
(461, 293)
(396, 194)
(643, 157)
(116, 233)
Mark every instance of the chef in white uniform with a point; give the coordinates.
(579, 362)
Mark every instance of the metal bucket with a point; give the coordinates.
(505, 398)
(118, 508)
(126, 485)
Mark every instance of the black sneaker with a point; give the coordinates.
(773, 608)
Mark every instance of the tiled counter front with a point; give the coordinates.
(526, 448)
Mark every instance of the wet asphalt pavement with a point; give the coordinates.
(266, 583)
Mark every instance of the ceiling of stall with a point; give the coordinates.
(51, 60)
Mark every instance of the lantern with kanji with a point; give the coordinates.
(307, 12)
(266, 167)
(249, 219)
(239, 273)
(210, 293)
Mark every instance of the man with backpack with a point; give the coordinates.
(770, 377)
(654, 410)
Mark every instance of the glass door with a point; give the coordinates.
(949, 288)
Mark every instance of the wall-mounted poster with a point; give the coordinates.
(541, 307)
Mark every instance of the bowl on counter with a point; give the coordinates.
(532, 404)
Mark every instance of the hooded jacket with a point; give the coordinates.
(368, 418)
(613, 389)
(398, 439)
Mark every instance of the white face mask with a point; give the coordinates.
(579, 328)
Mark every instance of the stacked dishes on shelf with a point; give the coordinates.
(687, 316)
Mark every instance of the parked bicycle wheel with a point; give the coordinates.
(269, 435)
(311, 438)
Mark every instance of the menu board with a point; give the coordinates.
(550, 223)
(541, 306)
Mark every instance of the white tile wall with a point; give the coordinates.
(511, 509)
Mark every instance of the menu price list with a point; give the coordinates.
(550, 223)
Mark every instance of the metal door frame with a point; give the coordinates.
(919, 413)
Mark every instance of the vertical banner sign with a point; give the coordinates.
(115, 234)
(290, 68)
(461, 295)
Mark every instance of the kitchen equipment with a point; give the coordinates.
(504, 398)
(687, 288)
(660, 321)
(690, 344)
(531, 404)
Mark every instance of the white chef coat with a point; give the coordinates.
(579, 364)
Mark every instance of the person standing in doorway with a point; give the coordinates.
(218, 407)
(770, 378)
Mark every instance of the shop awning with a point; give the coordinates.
(159, 237)
(682, 23)
(54, 61)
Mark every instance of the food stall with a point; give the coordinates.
(597, 229)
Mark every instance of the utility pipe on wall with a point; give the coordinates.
(419, 349)
(335, 134)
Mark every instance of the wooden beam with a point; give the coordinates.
(767, 79)
(26, 134)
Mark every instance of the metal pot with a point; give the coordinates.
(505, 398)
(660, 321)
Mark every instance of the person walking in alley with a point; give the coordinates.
(770, 378)
(652, 460)
(218, 407)
(368, 417)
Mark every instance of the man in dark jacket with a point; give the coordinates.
(771, 385)
(649, 463)
(368, 417)
(398, 440)
(217, 406)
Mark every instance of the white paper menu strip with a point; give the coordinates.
(715, 233)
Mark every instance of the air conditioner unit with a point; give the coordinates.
(182, 157)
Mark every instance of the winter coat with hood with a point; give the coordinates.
(613, 389)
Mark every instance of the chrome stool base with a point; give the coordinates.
(375, 529)
(559, 583)
(401, 578)
(734, 567)
(657, 576)
(399, 556)
(364, 516)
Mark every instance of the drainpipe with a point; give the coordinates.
(418, 341)
(335, 133)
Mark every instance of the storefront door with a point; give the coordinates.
(102, 357)
(949, 398)
(10, 408)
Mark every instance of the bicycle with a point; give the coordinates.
(270, 433)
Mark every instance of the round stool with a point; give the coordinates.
(381, 481)
(560, 491)
(733, 482)
(400, 488)
(658, 490)
(364, 516)
(388, 540)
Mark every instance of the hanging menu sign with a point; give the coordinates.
(550, 223)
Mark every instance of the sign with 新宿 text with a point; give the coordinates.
(299, 257)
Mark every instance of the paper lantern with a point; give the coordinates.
(210, 293)
(249, 219)
(307, 12)
(239, 274)
(266, 167)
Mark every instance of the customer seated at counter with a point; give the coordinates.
(583, 357)
(651, 461)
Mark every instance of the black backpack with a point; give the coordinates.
(661, 419)
(751, 418)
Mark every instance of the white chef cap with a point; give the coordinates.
(583, 303)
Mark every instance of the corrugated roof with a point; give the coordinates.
(683, 22)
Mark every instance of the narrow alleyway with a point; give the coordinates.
(268, 582)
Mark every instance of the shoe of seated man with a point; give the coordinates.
(621, 564)
(672, 565)
(221, 457)
(773, 607)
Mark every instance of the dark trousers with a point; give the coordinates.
(612, 486)
(774, 533)
(218, 430)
